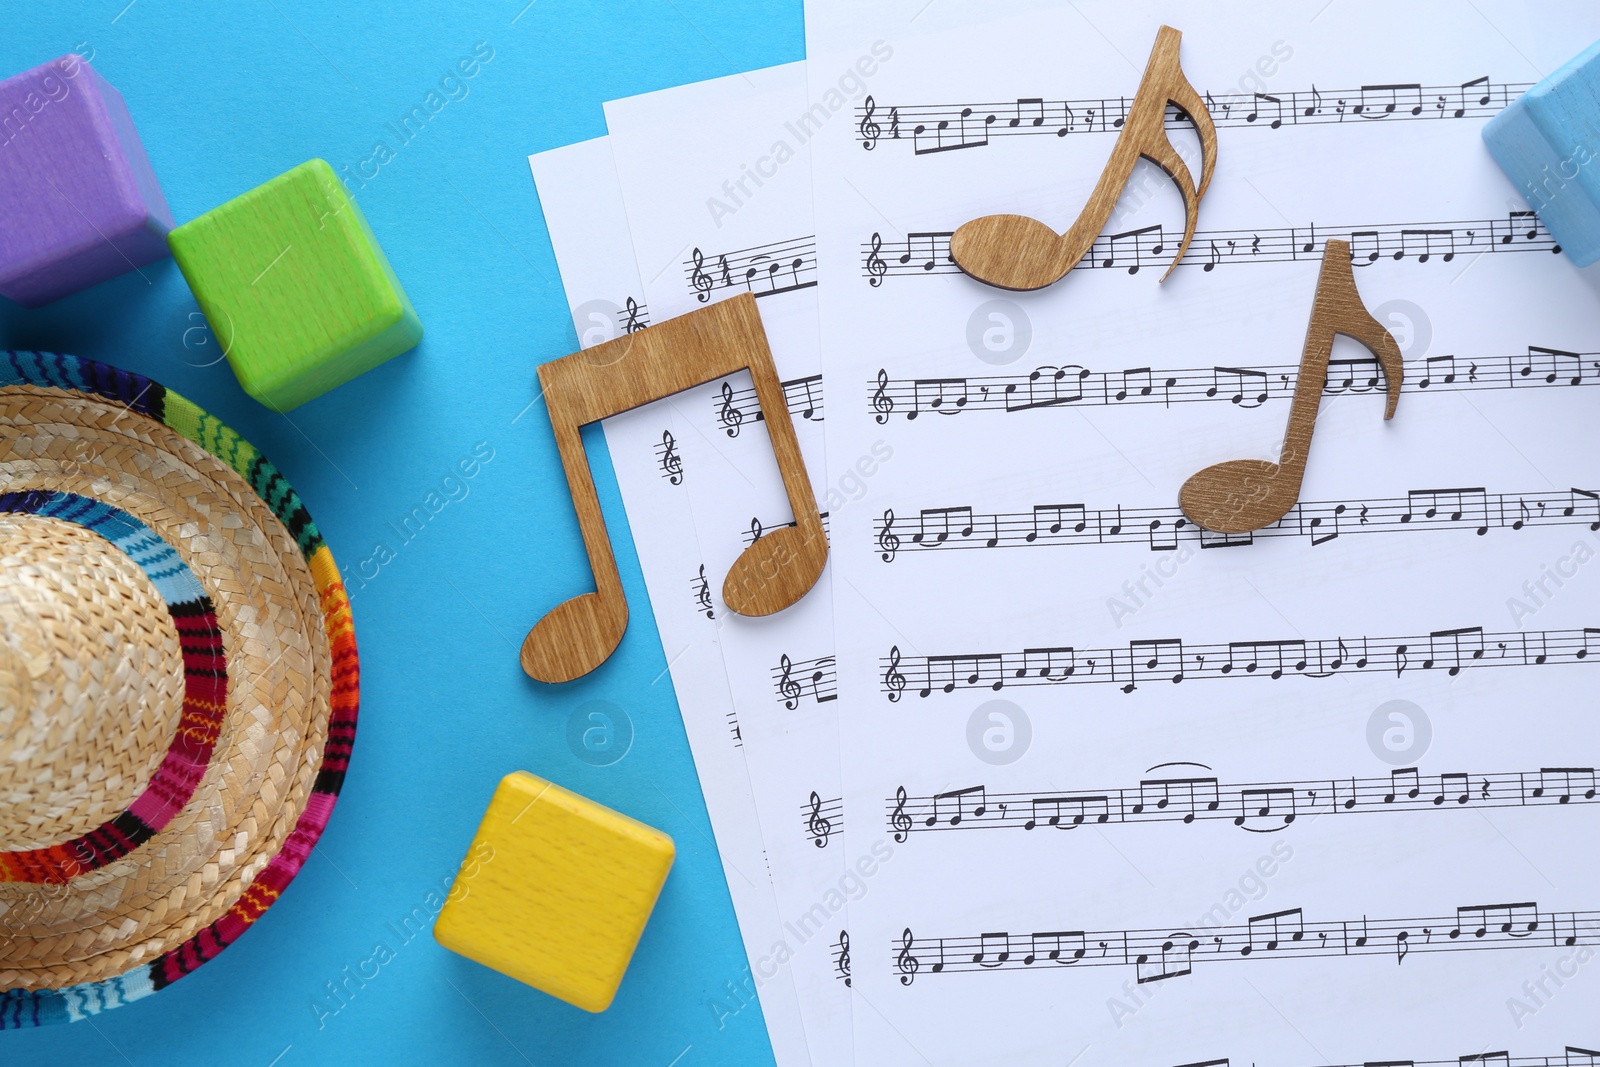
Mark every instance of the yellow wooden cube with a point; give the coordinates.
(555, 891)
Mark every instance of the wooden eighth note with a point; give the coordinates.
(1016, 252)
(578, 635)
(1246, 494)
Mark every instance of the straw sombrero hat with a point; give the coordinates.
(178, 687)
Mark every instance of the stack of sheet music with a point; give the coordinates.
(1040, 772)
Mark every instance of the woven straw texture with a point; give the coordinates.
(93, 665)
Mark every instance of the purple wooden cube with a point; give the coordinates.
(77, 194)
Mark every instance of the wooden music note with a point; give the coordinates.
(577, 636)
(1019, 253)
(1241, 495)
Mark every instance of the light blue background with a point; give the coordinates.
(227, 95)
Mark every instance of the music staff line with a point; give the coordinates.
(764, 270)
(1257, 807)
(1572, 1056)
(1164, 529)
(734, 407)
(822, 818)
(1172, 660)
(924, 253)
(1073, 385)
(1163, 954)
(935, 128)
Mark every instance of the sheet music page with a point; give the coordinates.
(588, 230)
(717, 182)
(1322, 795)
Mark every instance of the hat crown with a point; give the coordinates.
(91, 681)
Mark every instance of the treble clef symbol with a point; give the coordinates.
(870, 130)
(876, 267)
(899, 819)
(888, 540)
(756, 529)
(907, 964)
(843, 962)
(729, 414)
(702, 594)
(671, 462)
(882, 402)
(817, 825)
(633, 325)
(788, 688)
(701, 281)
(893, 681)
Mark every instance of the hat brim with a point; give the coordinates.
(189, 918)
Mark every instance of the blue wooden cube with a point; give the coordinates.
(78, 199)
(1548, 143)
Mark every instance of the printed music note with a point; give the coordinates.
(931, 240)
(1473, 84)
(1155, 658)
(1409, 239)
(1564, 783)
(1134, 237)
(1051, 519)
(1380, 101)
(578, 635)
(1187, 797)
(1246, 388)
(1277, 110)
(960, 796)
(1055, 945)
(1069, 813)
(1552, 365)
(1241, 495)
(1268, 932)
(1016, 252)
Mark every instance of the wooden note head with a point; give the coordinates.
(766, 577)
(1010, 252)
(1238, 496)
(578, 635)
(574, 638)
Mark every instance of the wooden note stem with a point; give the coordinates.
(578, 635)
(1242, 495)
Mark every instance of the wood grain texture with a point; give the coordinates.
(555, 891)
(1019, 253)
(1241, 495)
(578, 635)
(1548, 143)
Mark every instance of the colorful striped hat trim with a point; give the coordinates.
(28, 1008)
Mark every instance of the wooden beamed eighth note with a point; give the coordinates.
(578, 635)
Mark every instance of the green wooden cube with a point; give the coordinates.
(295, 287)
